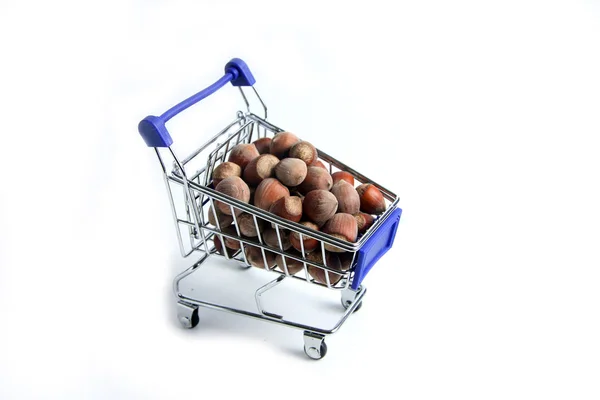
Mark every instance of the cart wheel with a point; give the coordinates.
(187, 315)
(346, 304)
(315, 354)
(314, 345)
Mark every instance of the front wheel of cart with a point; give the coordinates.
(187, 315)
(314, 345)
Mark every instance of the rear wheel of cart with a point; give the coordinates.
(187, 315)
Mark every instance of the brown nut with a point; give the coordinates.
(316, 178)
(268, 192)
(242, 154)
(246, 224)
(282, 143)
(229, 242)
(260, 168)
(347, 197)
(319, 206)
(263, 145)
(234, 187)
(371, 199)
(308, 243)
(291, 171)
(342, 226)
(270, 238)
(333, 261)
(225, 170)
(346, 260)
(293, 266)
(220, 248)
(289, 208)
(320, 164)
(254, 255)
(224, 219)
(305, 152)
(342, 175)
(363, 221)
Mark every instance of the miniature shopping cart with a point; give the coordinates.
(191, 179)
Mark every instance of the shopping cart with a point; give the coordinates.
(196, 234)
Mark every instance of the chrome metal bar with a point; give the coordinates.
(262, 290)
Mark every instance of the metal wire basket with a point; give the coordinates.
(192, 176)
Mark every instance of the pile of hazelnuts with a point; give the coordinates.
(284, 176)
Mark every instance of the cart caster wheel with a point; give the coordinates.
(346, 304)
(187, 315)
(314, 345)
(315, 354)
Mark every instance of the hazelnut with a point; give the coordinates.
(305, 152)
(333, 261)
(363, 221)
(308, 242)
(234, 187)
(320, 164)
(347, 197)
(242, 154)
(220, 249)
(316, 178)
(263, 145)
(224, 219)
(268, 192)
(254, 256)
(225, 170)
(319, 206)
(293, 266)
(342, 226)
(291, 171)
(282, 143)
(346, 260)
(289, 208)
(245, 223)
(343, 175)
(371, 199)
(260, 168)
(229, 242)
(270, 238)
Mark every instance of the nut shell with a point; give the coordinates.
(320, 164)
(371, 199)
(255, 257)
(220, 248)
(347, 197)
(289, 208)
(225, 170)
(363, 221)
(305, 151)
(291, 171)
(246, 225)
(234, 187)
(342, 226)
(316, 178)
(308, 242)
(319, 206)
(224, 219)
(260, 168)
(343, 175)
(268, 192)
(263, 145)
(231, 243)
(242, 154)
(333, 261)
(282, 143)
(270, 238)
(293, 266)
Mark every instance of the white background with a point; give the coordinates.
(482, 116)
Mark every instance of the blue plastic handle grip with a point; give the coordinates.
(152, 128)
(375, 247)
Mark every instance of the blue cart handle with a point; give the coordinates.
(152, 128)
